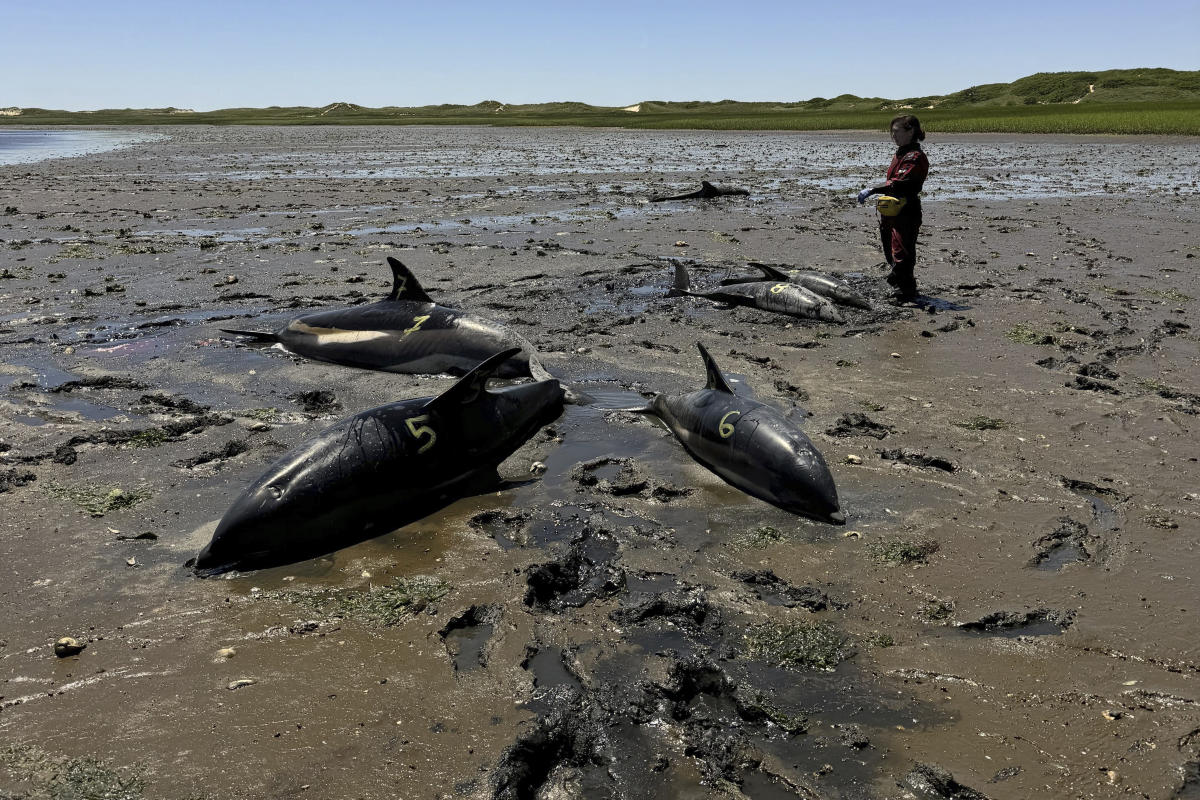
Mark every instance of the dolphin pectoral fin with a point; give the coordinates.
(261, 336)
(716, 380)
(405, 285)
(470, 386)
(771, 272)
(683, 282)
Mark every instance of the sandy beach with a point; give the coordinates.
(1012, 601)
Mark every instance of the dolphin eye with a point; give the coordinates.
(275, 491)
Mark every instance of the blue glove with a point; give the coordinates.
(863, 195)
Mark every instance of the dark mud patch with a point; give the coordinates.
(1069, 543)
(1038, 622)
(215, 458)
(770, 588)
(586, 572)
(858, 424)
(916, 458)
(687, 608)
(317, 401)
(931, 782)
(14, 479)
(468, 634)
(561, 755)
(102, 382)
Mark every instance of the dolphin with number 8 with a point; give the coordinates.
(751, 445)
(380, 469)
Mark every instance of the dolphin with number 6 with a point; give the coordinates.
(378, 470)
(751, 445)
(405, 332)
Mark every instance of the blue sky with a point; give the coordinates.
(206, 55)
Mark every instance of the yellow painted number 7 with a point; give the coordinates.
(417, 323)
(726, 428)
(421, 430)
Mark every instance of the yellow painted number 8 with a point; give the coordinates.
(726, 428)
(421, 430)
(779, 287)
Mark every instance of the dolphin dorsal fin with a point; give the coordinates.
(771, 272)
(470, 386)
(707, 185)
(405, 285)
(716, 380)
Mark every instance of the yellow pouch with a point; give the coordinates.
(890, 206)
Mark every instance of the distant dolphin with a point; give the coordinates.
(706, 192)
(378, 470)
(406, 332)
(780, 296)
(828, 286)
(751, 445)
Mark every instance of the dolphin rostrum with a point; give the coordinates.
(751, 445)
(706, 192)
(406, 332)
(378, 470)
(780, 296)
(827, 286)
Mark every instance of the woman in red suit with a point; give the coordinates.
(905, 177)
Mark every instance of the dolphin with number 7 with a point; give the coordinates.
(405, 332)
(751, 445)
(378, 470)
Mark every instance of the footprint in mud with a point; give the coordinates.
(1105, 516)
(1039, 622)
(507, 528)
(1068, 544)
(916, 458)
(686, 607)
(623, 477)
(857, 424)
(467, 635)
(215, 459)
(317, 401)
(769, 587)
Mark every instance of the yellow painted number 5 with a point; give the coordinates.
(726, 428)
(779, 287)
(421, 430)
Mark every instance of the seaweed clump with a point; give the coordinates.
(819, 645)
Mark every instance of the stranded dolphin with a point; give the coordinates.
(751, 445)
(706, 192)
(780, 296)
(825, 285)
(380, 469)
(406, 332)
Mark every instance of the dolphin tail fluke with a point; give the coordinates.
(261, 336)
(772, 273)
(405, 285)
(716, 380)
(683, 282)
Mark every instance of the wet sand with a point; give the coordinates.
(1013, 598)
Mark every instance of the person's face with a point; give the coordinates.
(901, 135)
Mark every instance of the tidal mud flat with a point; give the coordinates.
(1010, 607)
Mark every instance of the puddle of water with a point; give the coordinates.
(467, 644)
(29, 146)
(1060, 556)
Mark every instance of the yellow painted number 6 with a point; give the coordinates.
(779, 287)
(726, 428)
(421, 430)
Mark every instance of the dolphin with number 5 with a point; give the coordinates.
(378, 470)
(751, 445)
(779, 296)
(405, 332)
